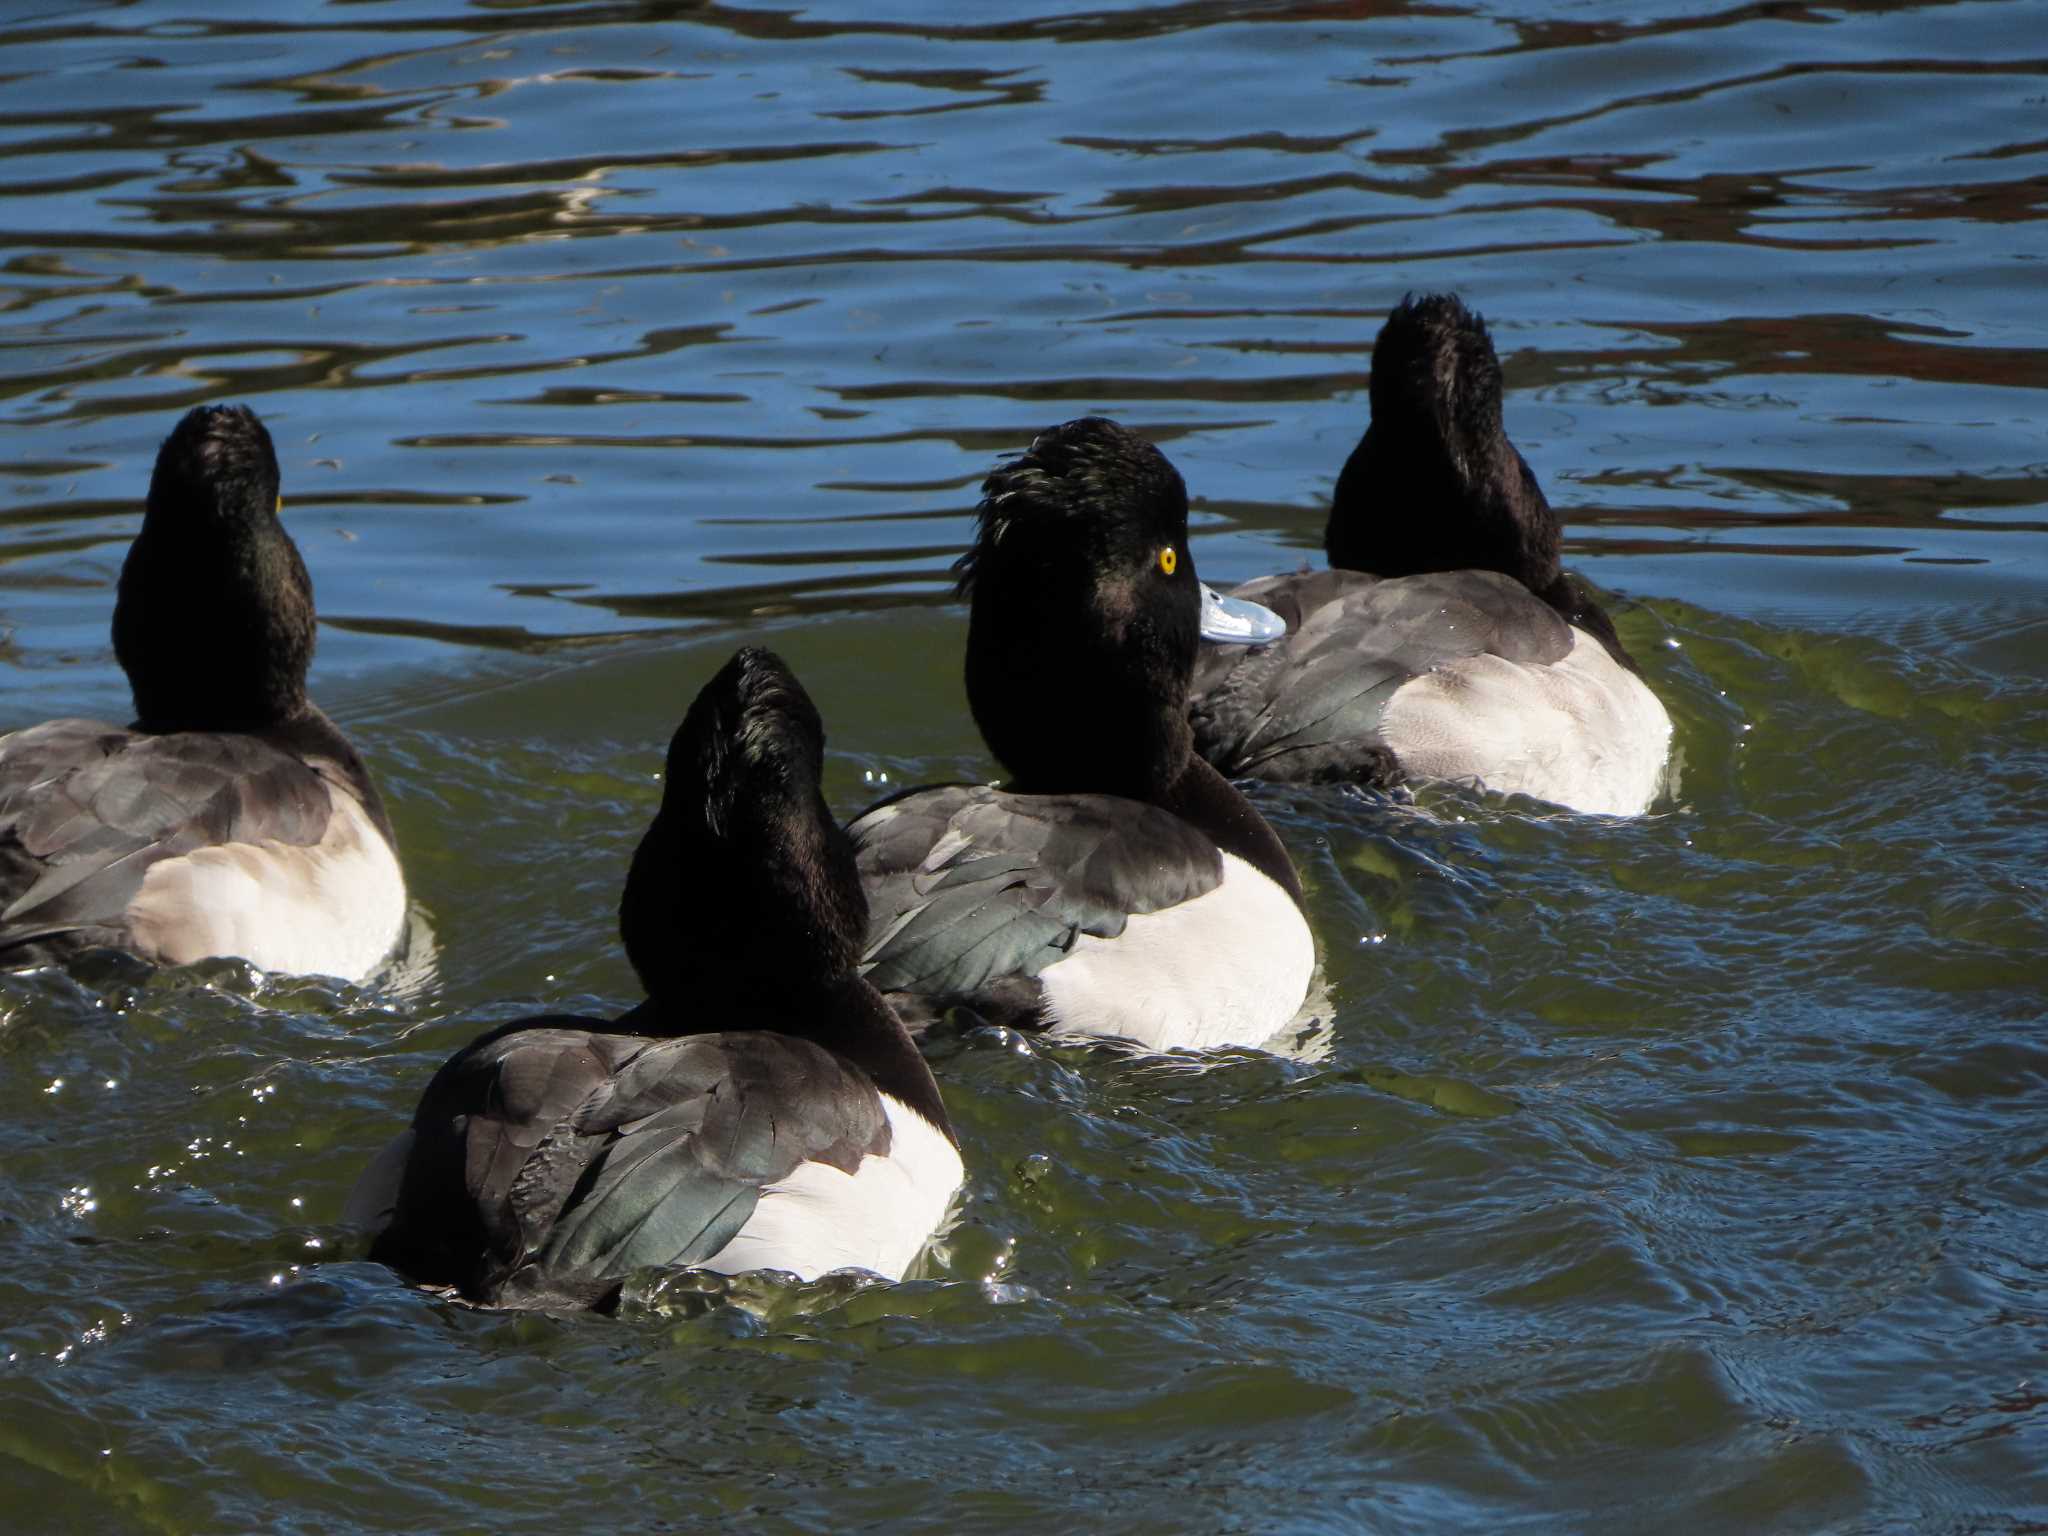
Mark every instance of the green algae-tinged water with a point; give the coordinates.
(1686, 1174)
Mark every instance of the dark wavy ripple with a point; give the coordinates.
(1688, 1173)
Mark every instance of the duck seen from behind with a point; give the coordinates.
(762, 1109)
(1445, 641)
(232, 817)
(1118, 885)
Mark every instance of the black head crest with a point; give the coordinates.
(744, 884)
(214, 620)
(1086, 612)
(1075, 484)
(1435, 484)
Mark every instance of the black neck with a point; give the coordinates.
(1492, 516)
(1203, 798)
(1116, 722)
(1139, 745)
(1407, 504)
(215, 630)
(845, 1016)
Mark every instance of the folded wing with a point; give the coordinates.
(570, 1157)
(1312, 707)
(973, 891)
(86, 810)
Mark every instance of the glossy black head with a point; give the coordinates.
(744, 888)
(1085, 615)
(213, 621)
(1435, 485)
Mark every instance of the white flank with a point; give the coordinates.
(335, 908)
(1582, 732)
(1230, 967)
(877, 1218)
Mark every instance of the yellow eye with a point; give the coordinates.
(280, 505)
(1169, 561)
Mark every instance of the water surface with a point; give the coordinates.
(1685, 1171)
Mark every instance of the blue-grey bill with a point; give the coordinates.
(1237, 622)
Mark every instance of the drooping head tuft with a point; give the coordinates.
(1434, 369)
(214, 622)
(1085, 614)
(744, 885)
(1085, 486)
(217, 464)
(1435, 484)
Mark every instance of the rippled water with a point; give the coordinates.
(1688, 1172)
